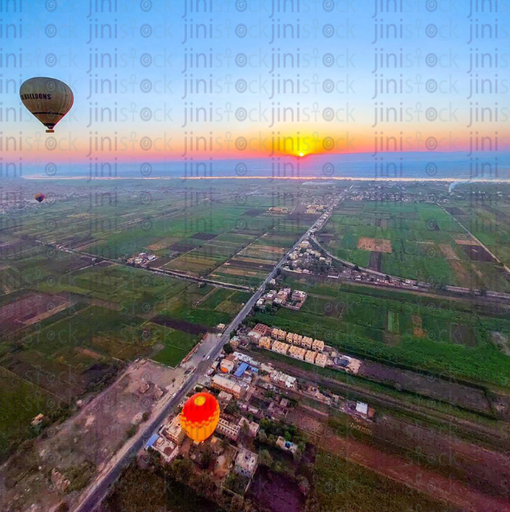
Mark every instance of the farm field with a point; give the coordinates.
(341, 484)
(252, 263)
(116, 220)
(489, 221)
(383, 437)
(168, 494)
(15, 419)
(420, 241)
(431, 335)
(83, 326)
(71, 321)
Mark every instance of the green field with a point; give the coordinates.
(168, 494)
(423, 239)
(176, 345)
(194, 228)
(342, 485)
(20, 402)
(114, 313)
(454, 341)
(106, 309)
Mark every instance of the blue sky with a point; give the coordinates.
(337, 48)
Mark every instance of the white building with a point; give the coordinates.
(246, 463)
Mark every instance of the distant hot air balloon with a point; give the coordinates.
(200, 416)
(48, 99)
(40, 197)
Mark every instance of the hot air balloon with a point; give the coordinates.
(40, 197)
(200, 416)
(48, 99)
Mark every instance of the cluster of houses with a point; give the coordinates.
(284, 297)
(314, 209)
(304, 259)
(241, 384)
(141, 260)
(301, 353)
(289, 343)
(171, 441)
(301, 347)
(235, 381)
(280, 210)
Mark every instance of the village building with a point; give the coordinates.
(310, 356)
(306, 342)
(228, 429)
(224, 397)
(286, 446)
(321, 359)
(263, 329)
(298, 296)
(265, 342)
(283, 379)
(168, 449)
(253, 426)
(297, 352)
(318, 345)
(224, 384)
(246, 463)
(254, 335)
(280, 347)
(228, 363)
(158, 392)
(173, 431)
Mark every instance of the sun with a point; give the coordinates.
(301, 155)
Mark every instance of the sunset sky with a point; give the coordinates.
(153, 100)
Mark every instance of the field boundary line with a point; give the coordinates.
(31, 383)
(245, 247)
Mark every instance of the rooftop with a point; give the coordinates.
(151, 441)
(246, 459)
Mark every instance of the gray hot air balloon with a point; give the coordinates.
(48, 99)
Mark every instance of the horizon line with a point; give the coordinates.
(288, 178)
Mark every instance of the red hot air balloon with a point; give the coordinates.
(40, 197)
(200, 416)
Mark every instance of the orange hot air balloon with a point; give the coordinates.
(200, 416)
(40, 197)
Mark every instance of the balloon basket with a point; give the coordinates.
(50, 131)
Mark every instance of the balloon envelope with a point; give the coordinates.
(48, 99)
(40, 197)
(200, 416)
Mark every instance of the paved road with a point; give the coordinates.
(93, 496)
